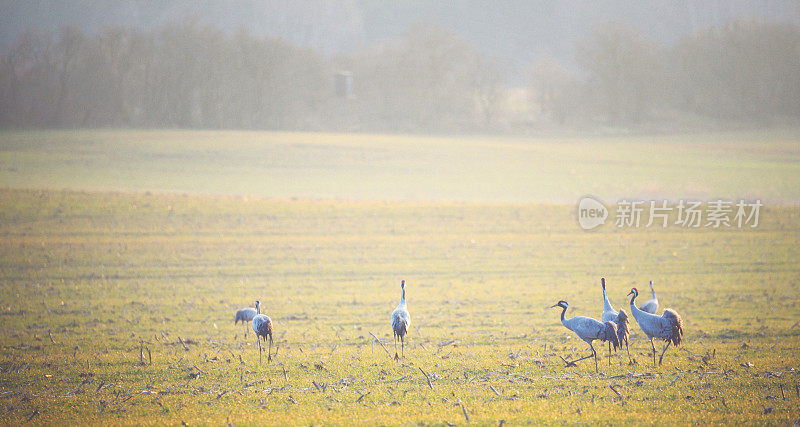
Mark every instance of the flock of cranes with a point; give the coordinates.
(613, 327)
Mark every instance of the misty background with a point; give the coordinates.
(400, 66)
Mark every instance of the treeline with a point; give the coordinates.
(196, 76)
(747, 72)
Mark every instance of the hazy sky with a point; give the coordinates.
(516, 32)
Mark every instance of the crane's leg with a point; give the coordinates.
(609, 353)
(396, 357)
(654, 351)
(582, 358)
(629, 352)
(402, 347)
(258, 338)
(269, 355)
(594, 353)
(662, 353)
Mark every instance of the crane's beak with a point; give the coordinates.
(553, 306)
(630, 293)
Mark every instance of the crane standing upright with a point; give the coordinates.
(667, 327)
(400, 321)
(262, 325)
(245, 316)
(619, 318)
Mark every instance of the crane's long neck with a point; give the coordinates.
(258, 308)
(563, 310)
(606, 304)
(403, 298)
(651, 290)
(634, 309)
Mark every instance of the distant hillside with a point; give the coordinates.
(515, 32)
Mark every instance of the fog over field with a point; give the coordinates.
(397, 67)
(755, 165)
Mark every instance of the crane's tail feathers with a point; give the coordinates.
(623, 327)
(675, 331)
(265, 329)
(399, 325)
(609, 333)
(403, 328)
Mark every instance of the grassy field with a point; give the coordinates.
(117, 306)
(399, 168)
(88, 278)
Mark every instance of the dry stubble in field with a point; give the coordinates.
(119, 308)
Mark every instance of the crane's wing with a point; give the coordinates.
(585, 327)
(649, 306)
(609, 316)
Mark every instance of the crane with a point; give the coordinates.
(245, 315)
(651, 305)
(620, 319)
(262, 325)
(588, 329)
(667, 327)
(400, 320)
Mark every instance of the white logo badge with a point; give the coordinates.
(591, 213)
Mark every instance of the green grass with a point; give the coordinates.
(762, 165)
(102, 272)
(112, 241)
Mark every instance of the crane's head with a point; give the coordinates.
(603, 282)
(402, 284)
(258, 306)
(634, 292)
(563, 304)
(651, 285)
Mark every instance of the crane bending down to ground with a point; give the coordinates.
(401, 320)
(588, 329)
(667, 327)
(262, 325)
(651, 305)
(245, 316)
(620, 319)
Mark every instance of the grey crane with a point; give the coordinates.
(619, 318)
(588, 329)
(667, 327)
(245, 316)
(651, 305)
(262, 326)
(400, 320)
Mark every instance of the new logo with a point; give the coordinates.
(591, 213)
